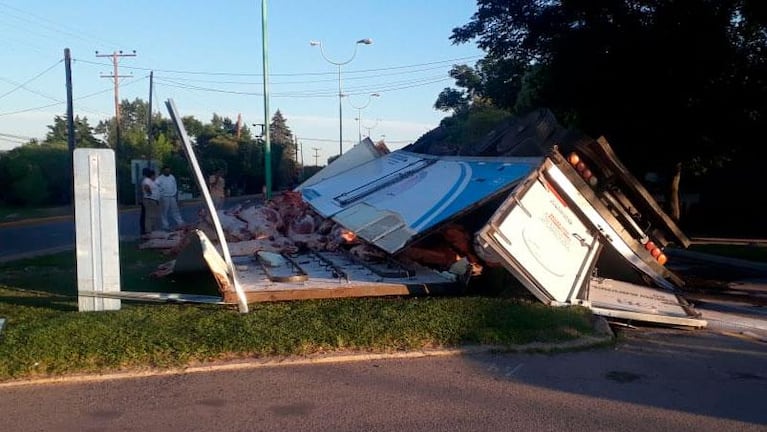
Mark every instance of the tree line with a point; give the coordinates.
(38, 173)
(678, 87)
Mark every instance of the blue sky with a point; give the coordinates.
(207, 57)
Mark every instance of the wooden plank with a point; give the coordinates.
(346, 291)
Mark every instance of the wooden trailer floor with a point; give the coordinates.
(318, 275)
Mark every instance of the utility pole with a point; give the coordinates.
(302, 158)
(116, 55)
(149, 117)
(267, 143)
(70, 121)
(316, 155)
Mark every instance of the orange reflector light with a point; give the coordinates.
(662, 259)
(574, 159)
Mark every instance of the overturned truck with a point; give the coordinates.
(562, 215)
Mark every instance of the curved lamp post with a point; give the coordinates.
(359, 113)
(370, 128)
(365, 41)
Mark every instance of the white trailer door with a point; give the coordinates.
(538, 238)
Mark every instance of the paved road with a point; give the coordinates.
(56, 234)
(663, 381)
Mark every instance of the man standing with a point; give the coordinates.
(168, 198)
(151, 201)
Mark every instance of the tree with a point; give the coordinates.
(58, 132)
(36, 174)
(281, 139)
(666, 81)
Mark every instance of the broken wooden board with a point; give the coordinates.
(321, 275)
(337, 275)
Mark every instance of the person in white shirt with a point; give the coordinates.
(168, 199)
(151, 193)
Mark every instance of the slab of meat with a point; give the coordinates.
(261, 220)
(367, 252)
(250, 247)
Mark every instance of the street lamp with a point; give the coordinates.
(359, 113)
(365, 41)
(369, 128)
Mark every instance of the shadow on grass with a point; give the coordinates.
(44, 281)
(56, 303)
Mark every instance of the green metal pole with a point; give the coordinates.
(267, 144)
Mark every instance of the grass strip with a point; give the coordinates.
(44, 335)
(40, 341)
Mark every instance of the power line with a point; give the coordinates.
(331, 80)
(394, 86)
(31, 79)
(283, 74)
(73, 33)
(29, 89)
(59, 103)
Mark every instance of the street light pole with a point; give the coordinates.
(369, 128)
(359, 113)
(366, 41)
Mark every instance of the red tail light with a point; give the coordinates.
(582, 168)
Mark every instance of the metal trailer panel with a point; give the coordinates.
(231, 273)
(623, 300)
(603, 155)
(548, 236)
(390, 200)
(612, 237)
(361, 153)
(542, 242)
(145, 296)
(97, 236)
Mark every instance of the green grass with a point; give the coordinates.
(45, 335)
(746, 252)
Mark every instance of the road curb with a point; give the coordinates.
(272, 362)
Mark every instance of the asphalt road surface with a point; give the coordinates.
(27, 239)
(658, 380)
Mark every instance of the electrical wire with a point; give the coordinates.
(75, 99)
(183, 72)
(51, 25)
(31, 79)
